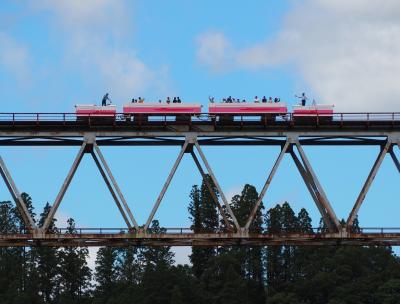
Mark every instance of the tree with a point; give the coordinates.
(75, 274)
(204, 216)
(106, 274)
(46, 263)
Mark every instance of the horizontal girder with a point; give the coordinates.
(200, 239)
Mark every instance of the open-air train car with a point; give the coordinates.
(313, 112)
(221, 112)
(141, 111)
(227, 111)
(95, 112)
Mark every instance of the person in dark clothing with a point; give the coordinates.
(229, 100)
(174, 100)
(264, 99)
(179, 100)
(168, 100)
(303, 98)
(104, 100)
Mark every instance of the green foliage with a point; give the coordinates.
(141, 275)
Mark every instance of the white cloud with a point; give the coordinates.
(14, 57)
(347, 52)
(214, 50)
(99, 36)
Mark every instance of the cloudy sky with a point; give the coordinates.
(54, 54)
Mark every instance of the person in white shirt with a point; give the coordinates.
(303, 98)
(256, 99)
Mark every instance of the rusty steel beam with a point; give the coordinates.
(266, 185)
(321, 193)
(211, 190)
(64, 187)
(110, 188)
(367, 184)
(166, 185)
(201, 239)
(115, 184)
(312, 188)
(223, 197)
(19, 202)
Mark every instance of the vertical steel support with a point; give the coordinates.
(166, 185)
(367, 184)
(228, 208)
(312, 188)
(210, 189)
(114, 183)
(323, 198)
(110, 188)
(64, 187)
(19, 202)
(266, 185)
(395, 159)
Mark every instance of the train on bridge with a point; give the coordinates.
(219, 111)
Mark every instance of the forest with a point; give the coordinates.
(221, 275)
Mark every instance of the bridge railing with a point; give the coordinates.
(59, 118)
(185, 230)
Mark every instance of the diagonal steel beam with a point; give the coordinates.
(19, 202)
(312, 188)
(114, 183)
(367, 184)
(323, 198)
(266, 185)
(395, 159)
(223, 197)
(64, 187)
(210, 189)
(110, 188)
(166, 185)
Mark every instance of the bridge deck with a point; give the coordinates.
(375, 236)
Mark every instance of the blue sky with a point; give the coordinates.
(54, 54)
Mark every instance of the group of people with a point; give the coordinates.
(139, 100)
(231, 99)
(175, 100)
(303, 98)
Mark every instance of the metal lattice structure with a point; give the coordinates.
(366, 129)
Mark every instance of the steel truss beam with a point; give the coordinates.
(312, 188)
(211, 190)
(94, 150)
(190, 143)
(201, 239)
(319, 191)
(368, 183)
(19, 202)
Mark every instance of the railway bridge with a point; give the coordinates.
(289, 133)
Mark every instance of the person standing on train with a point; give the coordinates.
(229, 100)
(303, 98)
(168, 100)
(270, 99)
(264, 99)
(104, 100)
(256, 99)
(174, 100)
(179, 100)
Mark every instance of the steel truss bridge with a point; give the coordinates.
(289, 133)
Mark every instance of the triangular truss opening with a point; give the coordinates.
(93, 149)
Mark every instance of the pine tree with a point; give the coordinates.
(106, 274)
(129, 265)
(204, 216)
(156, 256)
(75, 275)
(251, 258)
(46, 262)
